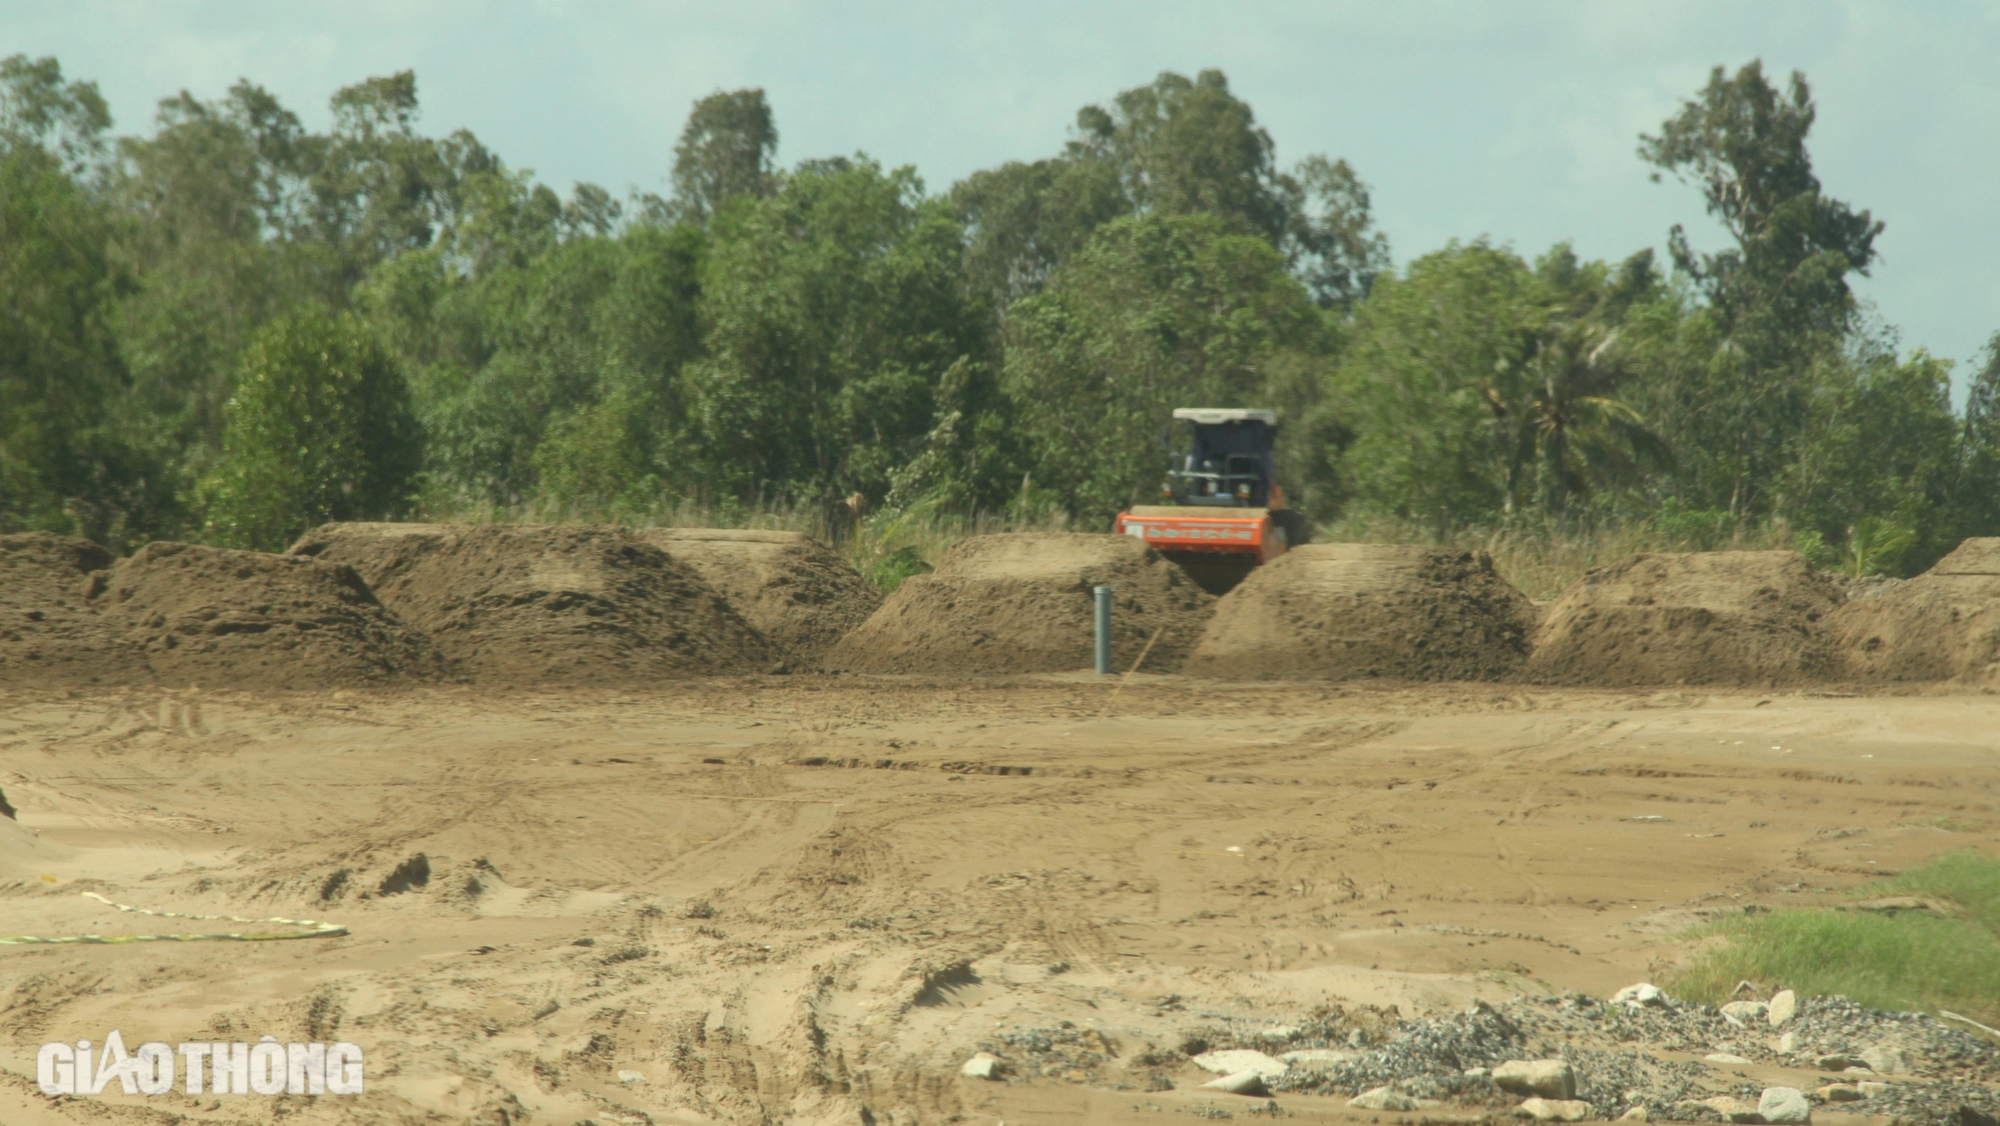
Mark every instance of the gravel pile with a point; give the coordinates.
(1064, 1052)
(1936, 1068)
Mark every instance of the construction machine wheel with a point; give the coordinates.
(1293, 523)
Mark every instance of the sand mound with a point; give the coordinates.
(24, 857)
(795, 590)
(247, 619)
(1942, 625)
(50, 632)
(1339, 611)
(1022, 603)
(547, 604)
(1715, 617)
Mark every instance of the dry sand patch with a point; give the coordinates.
(1746, 618)
(247, 620)
(1342, 611)
(1941, 625)
(796, 898)
(796, 591)
(524, 604)
(1022, 603)
(50, 632)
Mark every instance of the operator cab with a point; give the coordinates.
(1230, 465)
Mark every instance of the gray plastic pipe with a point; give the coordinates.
(1103, 596)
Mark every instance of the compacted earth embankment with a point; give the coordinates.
(381, 604)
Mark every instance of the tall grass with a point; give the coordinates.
(1943, 957)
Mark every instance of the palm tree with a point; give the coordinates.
(1568, 433)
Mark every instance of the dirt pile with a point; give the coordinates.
(793, 589)
(1942, 625)
(1753, 618)
(1340, 611)
(1022, 603)
(547, 604)
(50, 632)
(247, 619)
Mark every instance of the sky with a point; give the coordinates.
(1517, 122)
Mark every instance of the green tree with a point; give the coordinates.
(724, 151)
(831, 310)
(1879, 452)
(1022, 221)
(1177, 146)
(66, 461)
(1481, 389)
(1779, 298)
(1185, 146)
(319, 428)
(1155, 313)
(1976, 480)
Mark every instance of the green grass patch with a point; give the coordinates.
(1946, 958)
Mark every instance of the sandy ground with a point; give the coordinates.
(786, 899)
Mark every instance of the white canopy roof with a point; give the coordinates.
(1209, 416)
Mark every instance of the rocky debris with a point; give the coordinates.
(1066, 1051)
(1784, 1106)
(1234, 1060)
(1554, 1110)
(1748, 1010)
(1247, 1082)
(1471, 1058)
(1383, 1098)
(1554, 1079)
(1784, 1005)
(1913, 1044)
(983, 1065)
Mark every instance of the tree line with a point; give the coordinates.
(232, 328)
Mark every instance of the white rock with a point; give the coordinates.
(1309, 1056)
(1785, 1106)
(1788, 1043)
(985, 1065)
(1475, 1072)
(1554, 1110)
(1636, 1114)
(1732, 1109)
(1869, 1087)
(1239, 1059)
(1242, 1083)
(1783, 1007)
(1726, 1057)
(630, 1077)
(1644, 993)
(1383, 1098)
(1747, 1010)
(1886, 1059)
(1551, 1079)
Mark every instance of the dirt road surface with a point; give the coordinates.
(796, 899)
